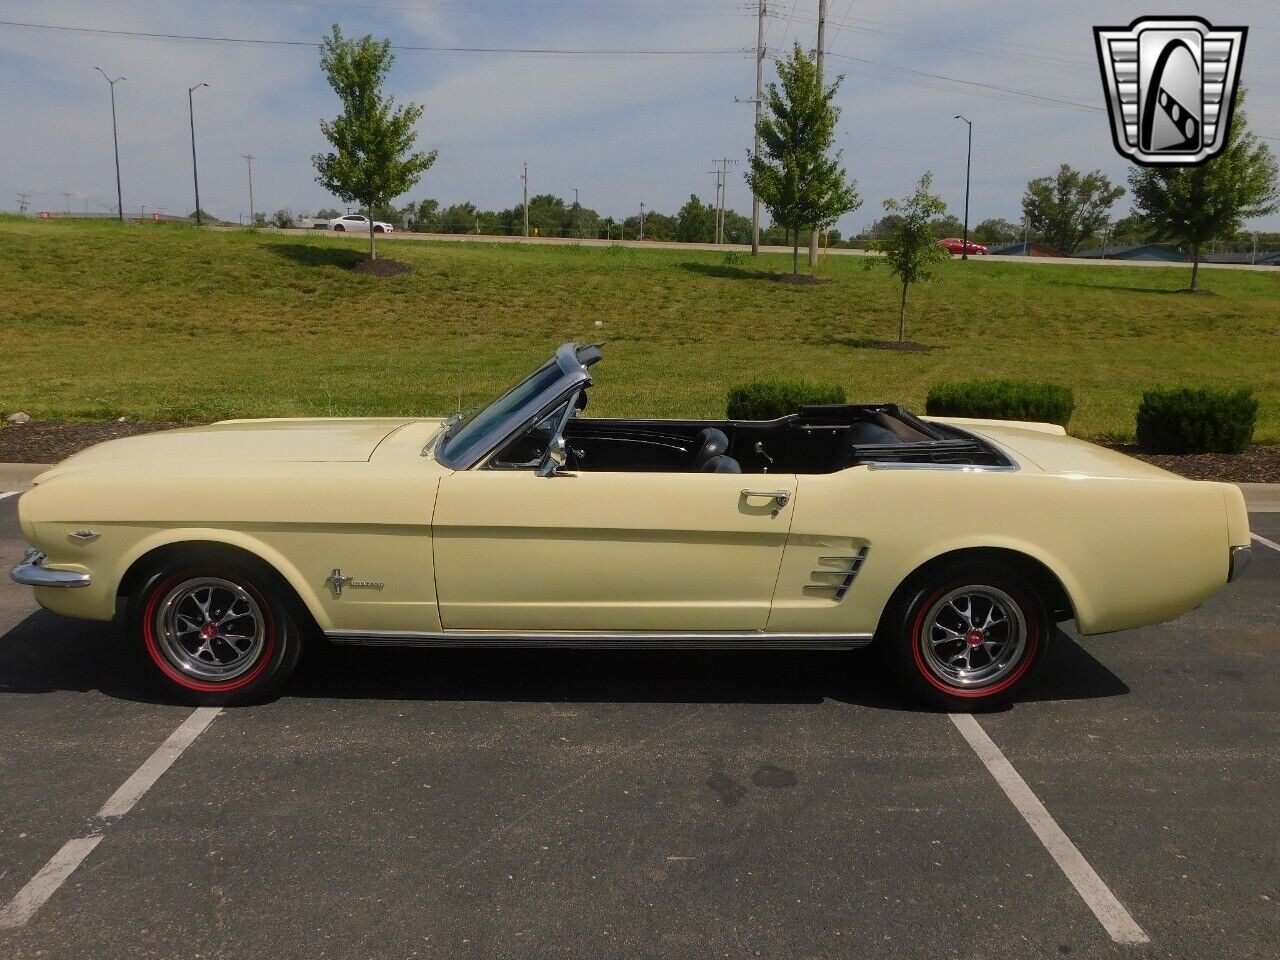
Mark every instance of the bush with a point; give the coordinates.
(1196, 421)
(770, 399)
(1001, 400)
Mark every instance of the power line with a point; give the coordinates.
(973, 83)
(256, 41)
(994, 91)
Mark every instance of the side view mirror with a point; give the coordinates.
(557, 455)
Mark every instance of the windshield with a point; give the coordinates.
(473, 429)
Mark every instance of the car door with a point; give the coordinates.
(603, 551)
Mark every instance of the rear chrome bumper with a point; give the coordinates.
(1241, 557)
(32, 573)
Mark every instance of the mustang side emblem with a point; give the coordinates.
(336, 581)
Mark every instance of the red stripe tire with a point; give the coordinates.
(216, 632)
(967, 636)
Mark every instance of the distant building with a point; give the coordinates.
(1140, 251)
(1026, 248)
(1263, 258)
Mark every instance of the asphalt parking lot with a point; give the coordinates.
(567, 804)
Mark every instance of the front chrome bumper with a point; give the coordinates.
(1241, 557)
(32, 573)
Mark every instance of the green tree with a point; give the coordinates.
(737, 227)
(460, 218)
(422, 216)
(1066, 209)
(996, 230)
(909, 247)
(947, 225)
(372, 161)
(282, 218)
(1194, 205)
(796, 178)
(695, 223)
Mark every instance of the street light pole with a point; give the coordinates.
(253, 220)
(195, 175)
(968, 160)
(641, 221)
(115, 139)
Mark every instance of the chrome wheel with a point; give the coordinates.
(973, 636)
(210, 629)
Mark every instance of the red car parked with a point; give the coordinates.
(956, 246)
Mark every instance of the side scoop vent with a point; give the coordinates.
(836, 574)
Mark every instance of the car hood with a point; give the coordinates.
(1047, 447)
(311, 440)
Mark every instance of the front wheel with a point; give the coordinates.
(214, 633)
(339, 229)
(968, 636)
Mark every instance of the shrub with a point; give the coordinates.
(1196, 421)
(1001, 400)
(770, 399)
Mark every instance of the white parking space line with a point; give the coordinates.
(1114, 918)
(51, 876)
(1270, 543)
(8, 493)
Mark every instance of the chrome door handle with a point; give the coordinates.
(779, 497)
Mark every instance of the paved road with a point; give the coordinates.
(740, 248)
(597, 805)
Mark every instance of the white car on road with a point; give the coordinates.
(357, 223)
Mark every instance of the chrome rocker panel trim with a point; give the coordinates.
(626, 640)
(31, 573)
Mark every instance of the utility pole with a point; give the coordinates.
(723, 182)
(641, 219)
(253, 220)
(1253, 257)
(758, 100)
(115, 139)
(195, 175)
(715, 230)
(24, 202)
(822, 43)
(524, 179)
(964, 249)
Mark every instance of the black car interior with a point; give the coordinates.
(818, 439)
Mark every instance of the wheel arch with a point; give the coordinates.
(180, 546)
(1047, 581)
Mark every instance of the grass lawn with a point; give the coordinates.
(163, 322)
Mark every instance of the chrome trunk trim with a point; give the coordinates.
(627, 640)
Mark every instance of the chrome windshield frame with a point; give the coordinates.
(573, 376)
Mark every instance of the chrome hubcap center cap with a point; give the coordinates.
(209, 632)
(974, 638)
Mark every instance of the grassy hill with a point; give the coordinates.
(168, 322)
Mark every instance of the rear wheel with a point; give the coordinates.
(339, 228)
(214, 633)
(967, 636)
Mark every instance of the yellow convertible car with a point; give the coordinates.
(952, 546)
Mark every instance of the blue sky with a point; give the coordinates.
(623, 129)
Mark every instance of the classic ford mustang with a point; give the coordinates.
(953, 546)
